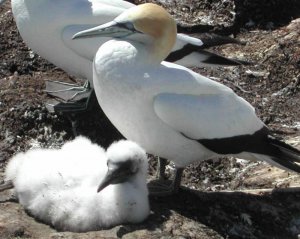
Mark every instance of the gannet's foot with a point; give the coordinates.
(67, 91)
(69, 98)
(162, 188)
(6, 185)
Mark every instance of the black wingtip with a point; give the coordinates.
(211, 39)
(215, 59)
(206, 57)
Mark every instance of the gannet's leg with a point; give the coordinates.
(177, 179)
(161, 169)
(74, 124)
(161, 189)
(6, 185)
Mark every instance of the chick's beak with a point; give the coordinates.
(114, 176)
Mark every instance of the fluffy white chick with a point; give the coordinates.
(59, 186)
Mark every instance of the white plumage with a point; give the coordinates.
(47, 27)
(168, 109)
(59, 186)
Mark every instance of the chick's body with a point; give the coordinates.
(59, 187)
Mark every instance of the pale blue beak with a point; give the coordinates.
(111, 29)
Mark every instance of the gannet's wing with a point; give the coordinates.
(207, 116)
(225, 124)
(102, 11)
(211, 114)
(201, 108)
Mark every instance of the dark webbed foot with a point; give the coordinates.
(161, 188)
(68, 98)
(67, 91)
(6, 185)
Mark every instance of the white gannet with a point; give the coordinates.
(168, 109)
(47, 27)
(59, 186)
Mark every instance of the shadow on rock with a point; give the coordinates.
(237, 214)
(265, 14)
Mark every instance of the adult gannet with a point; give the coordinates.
(47, 27)
(168, 109)
(59, 186)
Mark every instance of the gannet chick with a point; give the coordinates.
(59, 186)
(168, 109)
(47, 27)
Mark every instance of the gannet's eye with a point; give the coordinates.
(127, 25)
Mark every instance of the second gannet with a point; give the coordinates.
(59, 186)
(168, 109)
(47, 27)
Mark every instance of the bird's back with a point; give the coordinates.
(44, 26)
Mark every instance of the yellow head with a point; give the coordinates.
(156, 22)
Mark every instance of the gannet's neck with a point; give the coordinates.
(162, 46)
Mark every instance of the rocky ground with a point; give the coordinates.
(224, 198)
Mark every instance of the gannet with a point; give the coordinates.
(47, 27)
(59, 186)
(168, 109)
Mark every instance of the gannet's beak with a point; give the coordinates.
(117, 174)
(110, 29)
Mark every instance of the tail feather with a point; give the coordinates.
(284, 154)
(285, 149)
(287, 163)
